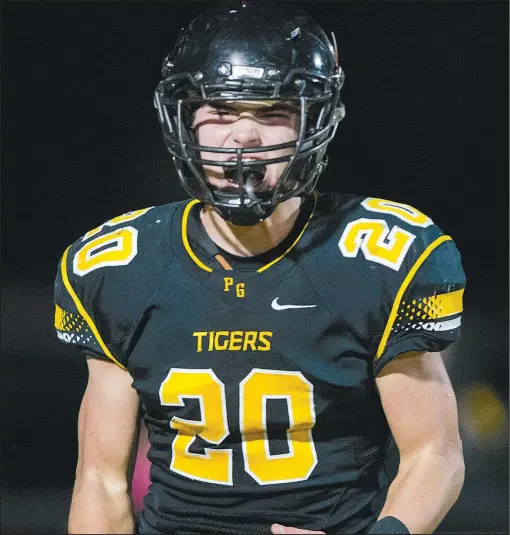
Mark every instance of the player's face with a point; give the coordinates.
(246, 125)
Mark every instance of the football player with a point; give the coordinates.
(273, 338)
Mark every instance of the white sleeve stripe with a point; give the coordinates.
(439, 325)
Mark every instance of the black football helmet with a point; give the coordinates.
(251, 50)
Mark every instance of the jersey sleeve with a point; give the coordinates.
(76, 312)
(105, 279)
(426, 313)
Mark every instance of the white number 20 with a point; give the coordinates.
(116, 248)
(374, 237)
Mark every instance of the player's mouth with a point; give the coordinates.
(255, 175)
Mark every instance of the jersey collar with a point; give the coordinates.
(209, 257)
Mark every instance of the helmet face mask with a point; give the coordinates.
(255, 54)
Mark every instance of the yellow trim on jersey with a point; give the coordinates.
(443, 305)
(197, 260)
(185, 240)
(263, 268)
(59, 318)
(83, 312)
(403, 288)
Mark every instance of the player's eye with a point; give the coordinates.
(275, 114)
(223, 112)
(277, 117)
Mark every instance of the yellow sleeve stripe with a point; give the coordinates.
(83, 312)
(446, 304)
(59, 318)
(184, 233)
(263, 268)
(402, 289)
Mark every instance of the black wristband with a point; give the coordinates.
(389, 525)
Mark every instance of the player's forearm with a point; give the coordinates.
(425, 488)
(95, 508)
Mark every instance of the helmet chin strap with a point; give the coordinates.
(248, 214)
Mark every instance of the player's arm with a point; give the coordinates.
(420, 406)
(108, 426)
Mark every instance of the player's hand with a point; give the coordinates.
(278, 528)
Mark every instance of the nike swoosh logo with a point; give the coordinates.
(276, 306)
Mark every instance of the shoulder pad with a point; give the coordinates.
(105, 277)
(382, 256)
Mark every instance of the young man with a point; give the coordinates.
(274, 337)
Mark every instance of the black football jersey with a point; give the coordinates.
(256, 377)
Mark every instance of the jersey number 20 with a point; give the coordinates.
(215, 465)
(116, 248)
(375, 239)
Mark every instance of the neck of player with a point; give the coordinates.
(254, 240)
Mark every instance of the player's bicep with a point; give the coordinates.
(107, 424)
(419, 404)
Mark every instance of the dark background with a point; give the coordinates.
(427, 124)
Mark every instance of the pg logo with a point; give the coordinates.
(230, 284)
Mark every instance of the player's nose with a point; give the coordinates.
(245, 132)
